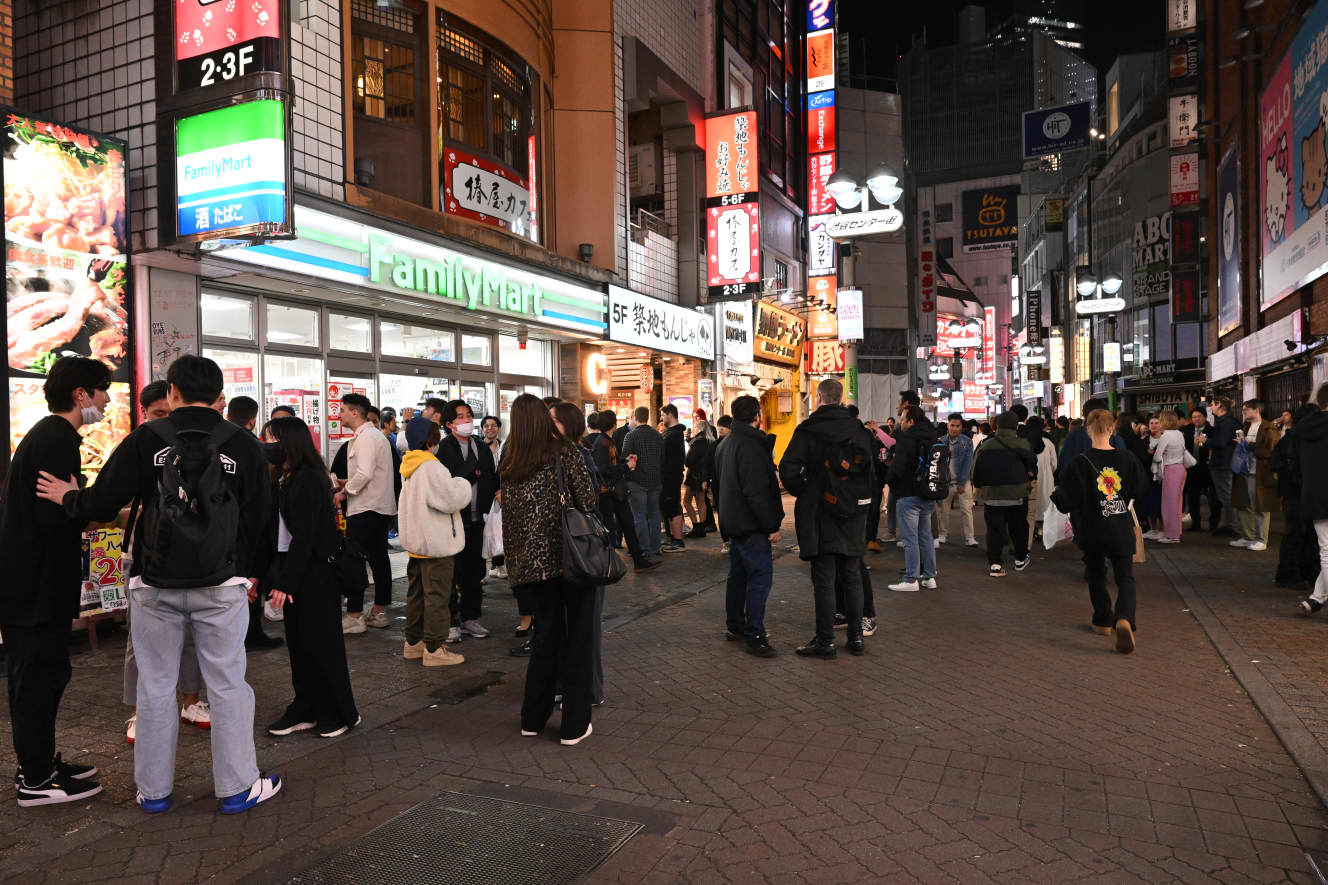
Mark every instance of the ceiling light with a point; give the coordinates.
(1111, 283)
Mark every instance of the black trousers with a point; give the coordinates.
(618, 519)
(319, 673)
(874, 516)
(868, 600)
(38, 659)
(1003, 523)
(468, 577)
(369, 531)
(1095, 569)
(1298, 557)
(831, 570)
(1198, 483)
(562, 656)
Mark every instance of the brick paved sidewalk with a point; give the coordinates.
(988, 736)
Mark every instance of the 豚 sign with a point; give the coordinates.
(648, 322)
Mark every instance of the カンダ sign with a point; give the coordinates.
(648, 322)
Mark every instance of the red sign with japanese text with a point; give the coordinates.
(217, 41)
(819, 169)
(824, 357)
(731, 154)
(821, 130)
(733, 230)
(484, 191)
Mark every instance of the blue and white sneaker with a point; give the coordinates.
(267, 786)
(153, 806)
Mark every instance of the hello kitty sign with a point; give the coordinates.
(219, 42)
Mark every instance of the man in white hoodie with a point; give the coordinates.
(432, 530)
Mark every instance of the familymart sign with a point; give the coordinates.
(335, 248)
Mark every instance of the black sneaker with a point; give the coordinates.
(289, 723)
(524, 650)
(868, 626)
(645, 565)
(760, 647)
(841, 620)
(856, 647)
(673, 546)
(263, 642)
(74, 770)
(1310, 605)
(734, 635)
(1021, 564)
(57, 789)
(814, 649)
(696, 532)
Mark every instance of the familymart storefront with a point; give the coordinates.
(360, 304)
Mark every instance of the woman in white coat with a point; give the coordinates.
(431, 530)
(1169, 467)
(1046, 470)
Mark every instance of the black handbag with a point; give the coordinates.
(588, 558)
(347, 564)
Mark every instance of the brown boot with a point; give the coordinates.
(1124, 637)
(1103, 631)
(874, 546)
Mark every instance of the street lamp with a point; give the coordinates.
(1091, 289)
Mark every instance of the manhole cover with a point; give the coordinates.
(460, 839)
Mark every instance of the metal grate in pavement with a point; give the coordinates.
(459, 839)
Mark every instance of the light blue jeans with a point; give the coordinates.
(219, 619)
(915, 530)
(645, 512)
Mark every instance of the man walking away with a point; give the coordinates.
(1096, 489)
(751, 511)
(672, 465)
(41, 546)
(961, 493)
(1254, 495)
(204, 490)
(913, 448)
(616, 512)
(1198, 479)
(1003, 468)
(466, 456)
(828, 468)
(1298, 558)
(1221, 447)
(369, 498)
(642, 450)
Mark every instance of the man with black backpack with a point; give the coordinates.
(200, 490)
(828, 467)
(919, 477)
(1004, 469)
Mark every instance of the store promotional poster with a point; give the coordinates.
(1228, 258)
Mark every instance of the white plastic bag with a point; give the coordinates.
(493, 532)
(1055, 527)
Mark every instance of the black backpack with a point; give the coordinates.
(931, 479)
(849, 467)
(191, 527)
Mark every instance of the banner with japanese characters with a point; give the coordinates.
(648, 322)
(733, 238)
(484, 191)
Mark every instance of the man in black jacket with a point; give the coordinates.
(750, 513)
(671, 468)
(217, 613)
(1298, 555)
(1198, 479)
(466, 456)
(1221, 446)
(835, 545)
(1312, 435)
(41, 547)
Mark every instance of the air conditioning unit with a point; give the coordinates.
(643, 170)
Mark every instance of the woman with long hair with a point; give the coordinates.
(698, 477)
(303, 587)
(1169, 462)
(533, 500)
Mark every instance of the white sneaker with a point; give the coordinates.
(1256, 546)
(453, 634)
(474, 629)
(900, 543)
(1152, 535)
(936, 542)
(198, 713)
(1186, 521)
(1168, 540)
(927, 583)
(376, 619)
(1240, 542)
(940, 539)
(970, 542)
(501, 572)
(131, 729)
(351, 624)
(905, 587)
(271, 612)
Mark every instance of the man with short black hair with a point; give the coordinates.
(41, 547)
(1078, 441)
(242, 411)
(432, 413)
(465, 455)
(369, 497)
(216, 612)
(1198, 479)
(642, 450)
(152, 401)
(906, 398)
(283, 412)
(671, 469)
(1221, 447)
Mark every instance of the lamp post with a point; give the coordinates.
(883, 185)
(1092, 302)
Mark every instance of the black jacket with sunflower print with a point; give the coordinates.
(1096, 489)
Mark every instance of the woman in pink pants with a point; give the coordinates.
(1169, 461)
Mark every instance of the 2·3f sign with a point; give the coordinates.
(228, 67)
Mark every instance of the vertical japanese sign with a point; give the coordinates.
(987, 375)
(820, 122)
(1228, 242)
(733, 239)
(1183, 113)
(819, 169)
(1184, 179)
(820, 60)
(926, 270)
(1186, 305)
(850, 315)
(1033, 317)
(821, 323)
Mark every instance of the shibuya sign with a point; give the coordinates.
(1099, 305)
(859, 224)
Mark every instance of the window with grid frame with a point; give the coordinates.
(484, 96)
(383, 63)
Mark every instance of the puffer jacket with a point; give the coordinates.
(429, 520)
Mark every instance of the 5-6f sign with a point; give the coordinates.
(221, 41)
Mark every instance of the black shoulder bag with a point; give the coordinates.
(587, 556)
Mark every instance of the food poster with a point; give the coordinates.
(104, 579)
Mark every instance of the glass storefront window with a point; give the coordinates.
(287, 324)
(399, 391)
(512, 360)
(509, 395)
(339, 385)
(226, 316)
(295, 381)
(350, 333)
(239, 374)
(476, 350)
(479, 395)
(417, 342)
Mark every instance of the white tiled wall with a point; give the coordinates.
(668, 28)
(652, 266)
(316, 64)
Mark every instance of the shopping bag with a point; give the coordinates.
(1139, 554)
(493, 532)
(1055, 527)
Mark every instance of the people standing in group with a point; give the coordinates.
(465, 455)
(614, 505)
(282, 412)
(1149, 430)
(1198, 479)
(430, 413)
(672, 466)
(1311, 433)
(303, 587)
(369, 499)
(1078, 440)
(491, 427)
(914, 512)
(242, 411)
(1254, 494)
(533, 495)
(1058, 431)
(201, 587)
(387, 423)
(41, 545)
(828, 467)
(1298, 556)
(1222, 447)
(1003, 469)
(696, 482)
(642, 450)
(751, 511)
(1096, 489)
(1169, 464)
(882, 443)
(960, 497)
(723, 427)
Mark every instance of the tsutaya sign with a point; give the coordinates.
(335, 248)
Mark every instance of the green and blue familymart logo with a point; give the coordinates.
(230, 168)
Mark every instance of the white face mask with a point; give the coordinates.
(91, 414)
(463, 428)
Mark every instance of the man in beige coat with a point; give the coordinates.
(1254, 495)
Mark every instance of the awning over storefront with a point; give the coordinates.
(1264, 348)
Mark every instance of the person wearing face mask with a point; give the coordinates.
(464, 454)
(39, 598)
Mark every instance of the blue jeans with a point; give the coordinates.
(751, 572)
(645, 512)
(915, 530)
(219, 619)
